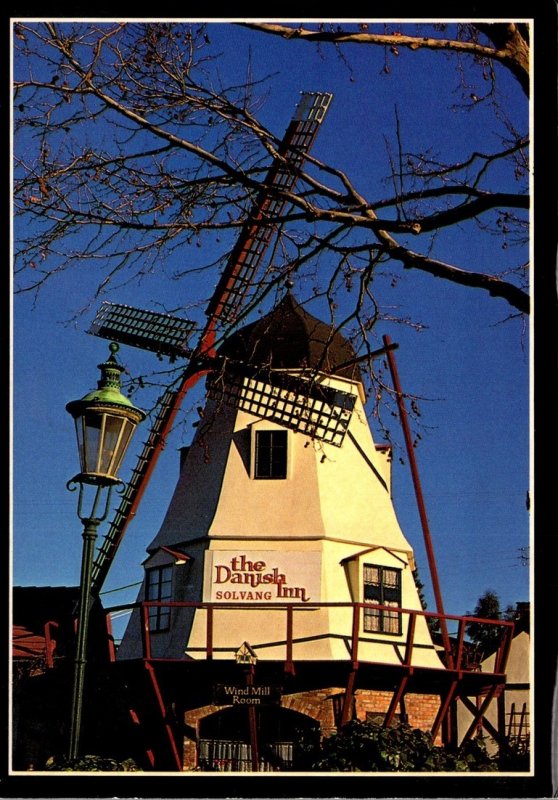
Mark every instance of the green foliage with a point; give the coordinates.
(486, 636)
(90, 763)
(366, 747)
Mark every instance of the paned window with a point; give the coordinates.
(382, 586)
(271, 455)
(159, 587)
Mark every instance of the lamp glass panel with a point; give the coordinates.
(93, 424)
(79, 423)
(119, 430)
(113, 428)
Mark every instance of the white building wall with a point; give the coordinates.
(334, 505)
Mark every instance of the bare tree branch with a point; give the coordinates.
(510, 48)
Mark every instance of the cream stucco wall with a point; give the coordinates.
(334, 509)
(318, 632)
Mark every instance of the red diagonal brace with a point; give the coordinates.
(348, 699)
(444, 708)
(478, 717)
(395, 700)
(163, 712)
(484, 722)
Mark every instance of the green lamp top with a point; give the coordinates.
(108, 389)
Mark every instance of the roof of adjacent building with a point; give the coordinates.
(26, 644)
(36, 606)
(291, 338)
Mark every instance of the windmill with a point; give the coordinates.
(299, 403)
(305, 398)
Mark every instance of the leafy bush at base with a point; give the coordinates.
(91, 764)
(366, 747)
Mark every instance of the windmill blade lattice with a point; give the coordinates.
(247, 253)
(149, 330)
(223, 308)
(305, 406)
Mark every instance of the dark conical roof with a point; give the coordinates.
(290, 337)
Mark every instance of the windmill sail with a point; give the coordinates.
(306, 406)
(223, 308)
(164, 334)
(247, 253)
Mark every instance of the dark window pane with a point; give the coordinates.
(271, 454)
(159, 587)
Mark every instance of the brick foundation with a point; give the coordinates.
(324, 706)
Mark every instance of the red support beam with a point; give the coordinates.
(420, 499)
(348, 699)
(445, 704)
(471, 707)
(503, 651)
(355, 634)
(478, 718)
(145, 632)
(149, 754)
(163, 714)
(50, 644)
(410, 639)
(110, 639)
(395, 700)
(253, 724)
(460, 641)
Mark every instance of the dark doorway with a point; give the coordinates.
(224, 743)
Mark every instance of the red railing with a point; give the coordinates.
(459, 662)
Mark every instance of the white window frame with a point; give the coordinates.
(382, 621)
(159, 616)
(256, 430)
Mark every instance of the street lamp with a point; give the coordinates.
(105, 421)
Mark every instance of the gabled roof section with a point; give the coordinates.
(289, 337)
(179, 555)
(356, 556)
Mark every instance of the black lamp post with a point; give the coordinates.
(105, 422)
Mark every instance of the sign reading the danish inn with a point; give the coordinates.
(230, 694)
(264, 576)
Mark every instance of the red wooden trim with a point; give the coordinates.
(444, 708)
(419, 496)
(484, 722)
(178, 555)
(253, 724)
(395, 700)
(110, 638)
(413, 613)
(478, 718)
(163, 713)
(145, 632)
(355, 634)
(348, 699)
(460, 641)
(50, 644)
(410, 639)
(504, 650)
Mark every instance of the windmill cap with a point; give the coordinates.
(291, 338)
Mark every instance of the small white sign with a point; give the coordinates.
(262, 576)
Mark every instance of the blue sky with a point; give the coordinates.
(469, 365)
